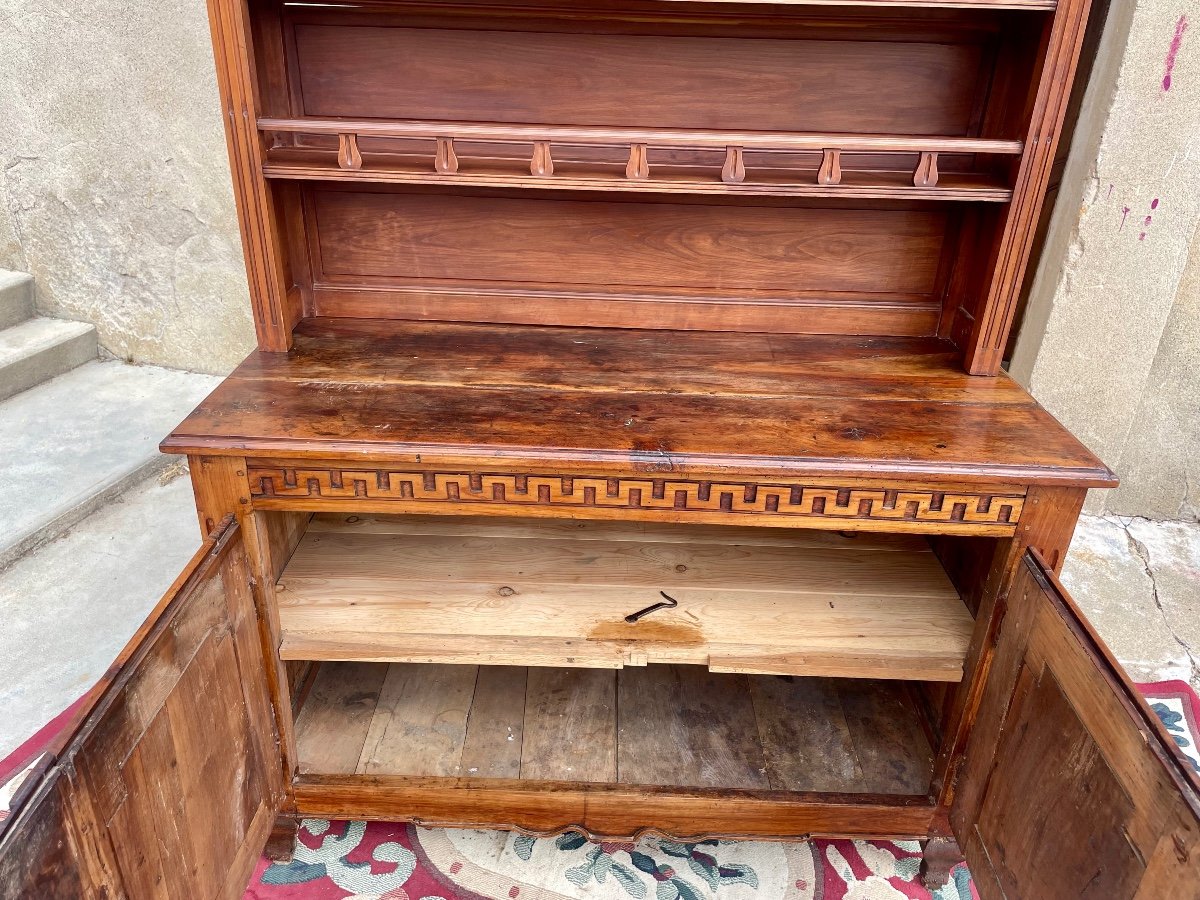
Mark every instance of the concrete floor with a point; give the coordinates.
(69, 607)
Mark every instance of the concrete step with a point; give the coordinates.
(74, 443)
(16, 298)
(40, 349)
(69, 607)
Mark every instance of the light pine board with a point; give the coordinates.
(679, 726)
(556, 594)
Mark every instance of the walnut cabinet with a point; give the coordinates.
(627, 449)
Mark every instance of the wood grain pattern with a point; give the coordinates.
(642, 403)
(611, 812)
(1046, 526)
(660, 137)
(799, 181)
(684, 171)
(275, 304)
(529, 598)
(360, 71)
(681, 725)
(496, 727)
(617, 530)
(169, 783)
(988, 328)
(965, 513)
(570, 725)
(420, 721)
(1075, 733)
(668, 248)
(949, 95)
(891, 747)
(675, 726)
(337, 715)
(806, 742)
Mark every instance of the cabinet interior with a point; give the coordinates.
(661, 725)
(490, 647)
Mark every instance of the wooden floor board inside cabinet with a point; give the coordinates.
(494, 592)
(660, 725)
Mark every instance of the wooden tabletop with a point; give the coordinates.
(575, 399)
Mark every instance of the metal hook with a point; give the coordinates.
(669, 604)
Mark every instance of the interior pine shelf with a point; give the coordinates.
(556, 593)
(413, 152)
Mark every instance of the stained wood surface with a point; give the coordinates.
(703, 717)
(420, 721)
(169, 784)
(661, 725)
(612, 811)
(338, 713)
(484, 241)
(496, 727)
(652, 80)
(1118, 808)
(524, 596)
(614, 401)
(570, 725)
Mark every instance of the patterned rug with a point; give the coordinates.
(383, 861)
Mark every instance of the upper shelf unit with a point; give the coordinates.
(693, 161)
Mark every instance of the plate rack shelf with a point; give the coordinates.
(692, 161)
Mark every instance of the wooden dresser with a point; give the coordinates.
(627, 450)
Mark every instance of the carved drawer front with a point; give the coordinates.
(768, 501)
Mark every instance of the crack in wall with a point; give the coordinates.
(1142, 553)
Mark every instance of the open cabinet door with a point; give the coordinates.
(1071, 787)
(169, 784)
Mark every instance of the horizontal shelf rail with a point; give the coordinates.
(638, 142)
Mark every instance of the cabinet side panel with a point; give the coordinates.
(275, 300)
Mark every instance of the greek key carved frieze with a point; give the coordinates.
(729, 497)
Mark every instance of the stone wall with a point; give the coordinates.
(114, 180)
(1111, 339)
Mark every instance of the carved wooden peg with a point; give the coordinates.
(734, 170)
(639, 166)
(927, 171)
(348, 155)
(542, 163)
(831, 167)
(446, 163)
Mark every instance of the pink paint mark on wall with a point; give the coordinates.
(1108, 196)
(1146, 221)
(1124, 216)
(1173, 51)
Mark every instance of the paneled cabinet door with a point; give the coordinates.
(1071, 787)
(169, 786)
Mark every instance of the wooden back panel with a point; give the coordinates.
(645, 77)
(613, 262)
(648, 260)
